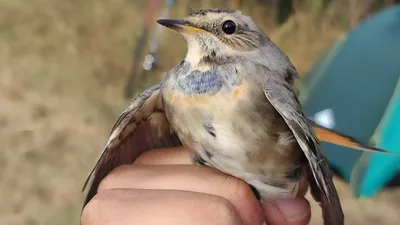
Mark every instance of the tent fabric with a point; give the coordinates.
(352, 89)
(381, 166)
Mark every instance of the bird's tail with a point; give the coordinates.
(360, 168)
(334, 137)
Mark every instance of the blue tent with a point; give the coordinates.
(355, 88)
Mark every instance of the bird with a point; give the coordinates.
(232, 103)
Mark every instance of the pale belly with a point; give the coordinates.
(231, 133)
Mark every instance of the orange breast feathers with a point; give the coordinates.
(222, 98)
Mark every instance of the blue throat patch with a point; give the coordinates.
(210, 82)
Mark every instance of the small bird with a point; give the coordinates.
(232, 103)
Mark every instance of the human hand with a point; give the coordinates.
(162, 187)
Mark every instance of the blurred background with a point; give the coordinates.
(68, 68)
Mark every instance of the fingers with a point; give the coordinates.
(166, 156)
(188, 178)
(149, 207)
(287, 212)
(171, 170)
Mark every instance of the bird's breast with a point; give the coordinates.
(206, 121)
(203, 96)
(236, 131)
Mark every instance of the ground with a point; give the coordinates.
(63, 65)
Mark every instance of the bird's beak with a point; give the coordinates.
(180, 26)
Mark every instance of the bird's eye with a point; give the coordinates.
(229, 27)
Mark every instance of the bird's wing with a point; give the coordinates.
(279, 91)
(140, 127)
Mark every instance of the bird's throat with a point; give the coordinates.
(200, 82)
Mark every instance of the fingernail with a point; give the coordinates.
(291, 209)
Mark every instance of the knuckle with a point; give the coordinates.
(224, 212)
(241, 189)
(145, 158)
(121, 169)
(92, 212)
(108, 181)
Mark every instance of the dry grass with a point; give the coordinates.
(62, 68)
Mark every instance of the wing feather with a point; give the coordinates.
(280, 92)
(140, 127)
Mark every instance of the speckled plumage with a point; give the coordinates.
(232, 104)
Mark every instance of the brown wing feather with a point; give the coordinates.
(279, 91)
(140, 127)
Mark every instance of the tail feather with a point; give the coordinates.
(334, 137)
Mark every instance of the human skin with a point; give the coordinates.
(162, 187)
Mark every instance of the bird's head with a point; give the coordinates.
(217, 34)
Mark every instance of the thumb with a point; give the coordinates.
(287, 212)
